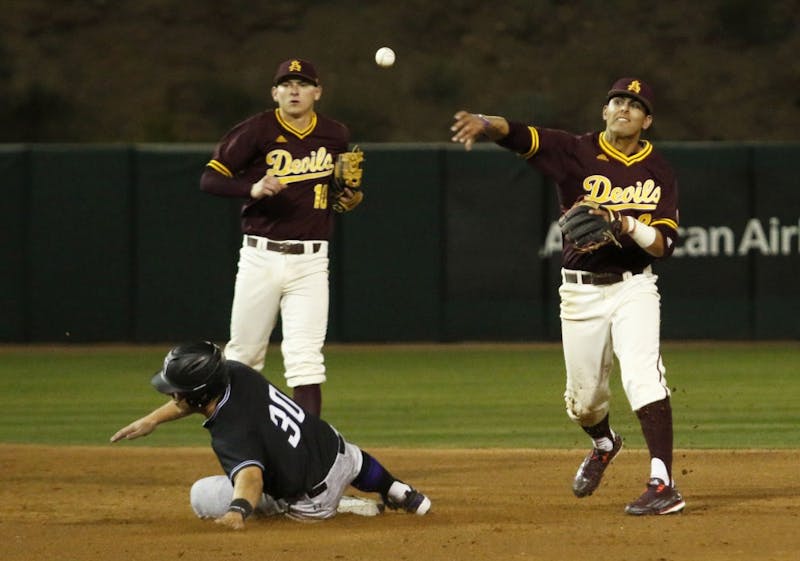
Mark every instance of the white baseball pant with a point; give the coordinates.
(211, 496)
(294, 285)
(600, 321)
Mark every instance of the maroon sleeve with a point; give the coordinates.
(237, 160)
(520, 138)
(666, 218)
(551, 151)
(216, 183)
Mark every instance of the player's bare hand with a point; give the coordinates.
(140, 427)
(232, 520)
(267, 186)
(466, 128)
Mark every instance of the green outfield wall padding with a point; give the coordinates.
(14, 286)
(494, 226)
(776, 267)
(706, 289)
(186, 249)
(389, 250)
(118, 243)
(80, 246)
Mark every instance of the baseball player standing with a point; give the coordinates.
(281, 161)
(275, 454)
(610, 303)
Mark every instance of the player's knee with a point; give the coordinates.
(210, 497)
(581, 413)
(574, 412)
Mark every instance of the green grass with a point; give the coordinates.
(726, 395)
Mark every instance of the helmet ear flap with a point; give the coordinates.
(197, 372)
(212, 390)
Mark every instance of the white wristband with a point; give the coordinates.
(641, 233)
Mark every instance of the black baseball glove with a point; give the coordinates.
(588, 231)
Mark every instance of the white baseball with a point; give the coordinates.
(384, 57)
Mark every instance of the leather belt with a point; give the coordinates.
(600, 279)
(284, 247)
(322, 487)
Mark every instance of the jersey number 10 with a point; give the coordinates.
(321, 195)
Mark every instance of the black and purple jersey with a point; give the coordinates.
(255, 424)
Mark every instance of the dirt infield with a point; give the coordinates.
(131, 504)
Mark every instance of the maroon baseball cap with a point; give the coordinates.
(298, 68)
(635, 88)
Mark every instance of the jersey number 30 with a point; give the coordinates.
(286, 415)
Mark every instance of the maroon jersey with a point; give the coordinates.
(641, 185)
(303, 159)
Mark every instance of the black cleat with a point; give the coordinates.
(591, 470)
(414, 502)
(658, 498)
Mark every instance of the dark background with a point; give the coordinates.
(178, 71)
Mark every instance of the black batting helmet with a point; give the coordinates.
(195, 371)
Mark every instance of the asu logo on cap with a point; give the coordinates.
(635, 88)
(298, 68)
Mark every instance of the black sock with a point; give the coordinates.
(600, 430)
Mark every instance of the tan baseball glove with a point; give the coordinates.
(346, 184)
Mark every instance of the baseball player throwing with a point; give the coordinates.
(619, 202)
(282, 163)
(277, 457)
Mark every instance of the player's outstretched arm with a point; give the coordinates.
(147, 424)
